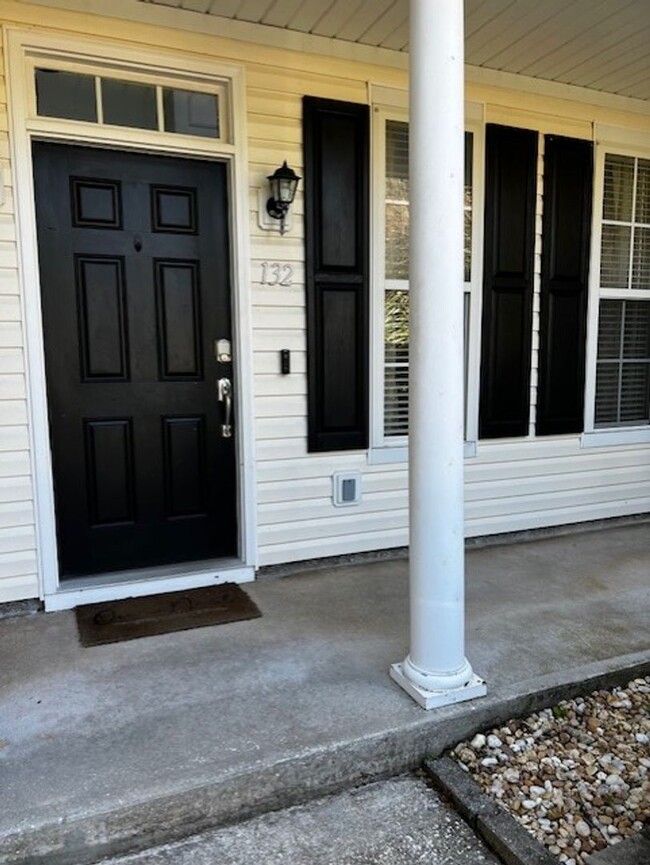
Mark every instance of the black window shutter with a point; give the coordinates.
(511, 156)
(336, 142)
(568, 171)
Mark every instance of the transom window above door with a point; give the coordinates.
(141, 104)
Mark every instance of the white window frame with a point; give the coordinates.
(620, 143)
(131, 74)
(394, 449)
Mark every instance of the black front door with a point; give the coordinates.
(134, 264)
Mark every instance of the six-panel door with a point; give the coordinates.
(135, 273)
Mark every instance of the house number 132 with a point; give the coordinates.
(276, 273)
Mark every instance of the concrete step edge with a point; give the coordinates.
(139, 826)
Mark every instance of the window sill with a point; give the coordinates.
(613, 437)
(391, 455)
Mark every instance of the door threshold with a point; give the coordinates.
(117, 585)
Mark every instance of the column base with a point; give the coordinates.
(476, 687)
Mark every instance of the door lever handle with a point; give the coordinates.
(224, 395)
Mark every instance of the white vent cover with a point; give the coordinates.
(346, 488)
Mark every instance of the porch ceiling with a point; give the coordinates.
(599, 44)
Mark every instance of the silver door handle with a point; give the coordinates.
(224, 394)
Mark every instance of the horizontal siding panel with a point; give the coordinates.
(310, 467)
(260, 235)
(281, 448)
(273, 153)
(556, 517)
(268, 362)
(548, 124)
(266, 250)
(18, 588)
(588, 460)
(526, 449)
(280, 427)
(266, 102)
(7, 227)
(14, 464)
(17, 564)
(17, 539)
(296, 552)
(279, 513)
(280, 406)
(276, 318)
(15, 489)
(11, 335)
(14, 438)
(544, 485)
(299, 490)
(292, 298)
(267, 127)
(273, 340)
(280, 385)
(8, 254)
(14, 412)
(348, 522)
(12, 387)
(556, 500)
(11, 360)
(327, 87)
(16, 514)
(9, 282)
(512, 496)
(10, 308)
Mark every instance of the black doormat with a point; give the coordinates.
(114, 621)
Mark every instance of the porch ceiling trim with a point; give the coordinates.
(153, 12)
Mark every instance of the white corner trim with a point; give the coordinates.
(614, 437)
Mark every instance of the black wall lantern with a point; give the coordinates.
(283, 183)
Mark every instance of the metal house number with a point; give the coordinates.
(277, 273)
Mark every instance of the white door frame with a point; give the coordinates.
(23, 49)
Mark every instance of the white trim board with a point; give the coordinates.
(277, 37)
(24, 128)
(113, 587)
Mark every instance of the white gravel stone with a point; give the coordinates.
(576, 775)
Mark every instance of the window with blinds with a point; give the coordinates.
(396, 263)
(623, 357)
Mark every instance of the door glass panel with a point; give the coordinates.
(191, 113)
(65, 94)
(127, 104)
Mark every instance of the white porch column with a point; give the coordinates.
(436, 671)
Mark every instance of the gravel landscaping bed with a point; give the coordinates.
(577, 775)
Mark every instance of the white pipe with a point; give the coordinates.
(436, 661)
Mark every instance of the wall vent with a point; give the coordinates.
(346, 489)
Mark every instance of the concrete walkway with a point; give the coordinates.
(396, 822)
(120, 747)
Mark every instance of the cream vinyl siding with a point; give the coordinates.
(516, 484)
(17, 532)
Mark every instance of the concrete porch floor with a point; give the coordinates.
(117, 747)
